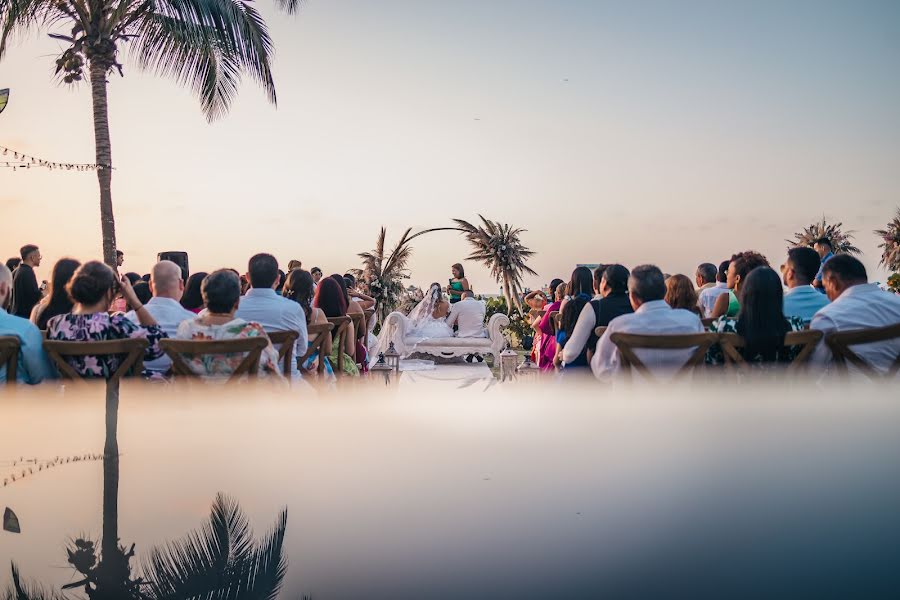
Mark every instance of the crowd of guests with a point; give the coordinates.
(816, 289)
(93, 302)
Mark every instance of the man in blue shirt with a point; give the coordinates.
(823, 248)
(801, 299)
(33, 364)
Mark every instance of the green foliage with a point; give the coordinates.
(893, 283)
(519, 326)
(841, 241)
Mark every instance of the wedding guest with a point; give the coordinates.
(167, 287)
(761, 321)
(33, 365)
(120, 259)
(364, 301)
(705, 278)
(707, 298)
(294, 264)
(262, 305)
(142, 292)
(613, 303)
(13, 263)
(802, 299)
(354, 308)
(680, 293)
(25, 290)
(544, 326)
(145, 277)
(133, 277)
(824, 249)
(192, 299)
(300, 288)
(580, 287)
(579, 295)
(280, 284)
(57, 301)
(647, 290)
(316, 273)
(598, 280)
(856, 304)
(332, 300)
(458, 283)
(221, 292)
(92, 289)
(740, 266)
(468, 314)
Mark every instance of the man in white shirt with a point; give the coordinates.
(165, 306)
(708, 296)
(651, 316)
(856, 304)
(262, 305)
(468, 314)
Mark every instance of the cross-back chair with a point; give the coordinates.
(807, 340)
(9, 356)
(840, 341)
(627, 343)
(286, 340)
(249, 366)
(132, 349)
(341, 330)
(322, 331)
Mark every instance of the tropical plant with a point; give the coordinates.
(890, 244)
(499, 248)
(204, 44)
(841, 241)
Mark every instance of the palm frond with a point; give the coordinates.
(890, 244)
(19, 590)
(841, 241)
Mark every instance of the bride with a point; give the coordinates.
(426, 321)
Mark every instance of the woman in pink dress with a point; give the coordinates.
(545, 327)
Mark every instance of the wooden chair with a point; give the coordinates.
(249, 366)
(555, 321)
(322, 331)
(731, 342)
(599, 331)
(132, 349)
(628, 342)
(286, 349)
(341, 330)
(9, 356)
(707, 322)
(840, 341)
(359, 329)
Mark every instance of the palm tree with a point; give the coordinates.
(499, 248)
(205, 44)
(890, 245)
(841, 241)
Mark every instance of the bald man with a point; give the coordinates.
(165, 306)
(33, 365)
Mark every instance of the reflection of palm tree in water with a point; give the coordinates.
(220, 560)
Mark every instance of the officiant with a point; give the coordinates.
(458, 283)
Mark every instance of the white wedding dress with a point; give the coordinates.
(421, 325)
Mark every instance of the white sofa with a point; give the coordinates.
(450, 347)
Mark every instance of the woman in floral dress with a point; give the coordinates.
(93, 289)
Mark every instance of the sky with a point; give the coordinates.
(661, 132)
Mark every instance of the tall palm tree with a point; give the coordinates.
(204, 44)
(841, 241)
(890, 245)
(498, 247)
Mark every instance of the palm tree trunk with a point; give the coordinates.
(508, 295)
(98, 70)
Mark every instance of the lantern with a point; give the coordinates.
(382, 367)
(528, 370)
(392, 359)
(508, 361)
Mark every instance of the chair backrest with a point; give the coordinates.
(9, 356)
(628, 342)
(177, 349)
(286, 350)
(322, 331)
(370, 314)
(132, 348)
(707, 322)
(359, 325)
(807, 339)
(341, 331)
(555, 320)
(840, 341)
(599, 331)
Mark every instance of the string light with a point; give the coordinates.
(22, 160)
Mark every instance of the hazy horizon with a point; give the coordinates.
(650, 132)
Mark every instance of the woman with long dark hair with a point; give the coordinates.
(300, 287)
(192, 299)
(761, 321)
(57, 300)
(333, 302)
(579, 294)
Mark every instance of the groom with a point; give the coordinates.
(468, 315)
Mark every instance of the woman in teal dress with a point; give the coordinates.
(458, 284)
(728, 305)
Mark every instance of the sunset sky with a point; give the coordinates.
(665, 132)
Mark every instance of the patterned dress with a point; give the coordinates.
(714, 355)
(100, 327)
(223, 365)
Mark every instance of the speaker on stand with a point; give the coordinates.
(179, 258)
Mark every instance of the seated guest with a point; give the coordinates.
(740, 266)
(598, 281)
(652, 316)
(856, 304)
(824, 249)
(332, 300)
(705, 277)
(680, 293)
(299, 288)
(613, 302)
(580, 292)
(143, 292)
(802, 299)
(192, 299)
(568, 319)
(145, 277)
(364, 301)
(262, 305)
(294, 264)
(707, 298)
(354, 308)
(57, 301)
(165, 307)
(316, 273)
(92, 289)
(761, 321)
(468, 315)
(26, 292)
(13, 263)
(544, 327)
(222, 293)
(33, 365)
